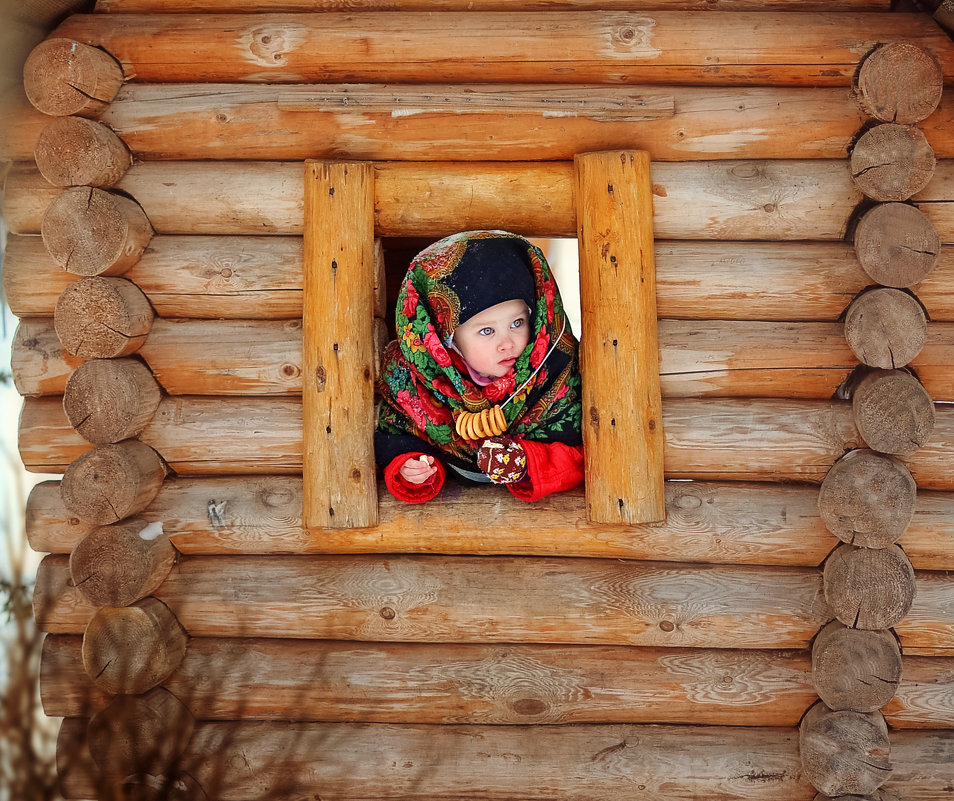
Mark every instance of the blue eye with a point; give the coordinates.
(518, 323)
(486, 332)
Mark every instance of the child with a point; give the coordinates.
(480, 325)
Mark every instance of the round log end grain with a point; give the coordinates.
(89, 231)
(119, 564)
(855, 669)
(75, 151)
(132, 649)
(896, 244)
(112, 482)
(885, 327)
(893, 412)
(101, 318)
(869, 588)
(108, 400)
(140, 735)
(892, 162)
(867, 499)
(844, 752)
(62, 77)
(899, 82)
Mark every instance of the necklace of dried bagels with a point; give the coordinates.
(491, 422)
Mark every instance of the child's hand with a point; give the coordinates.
(418, 470)
(503, 459)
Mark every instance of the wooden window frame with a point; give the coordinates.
(606, 197)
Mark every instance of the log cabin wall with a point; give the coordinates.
(787, 630)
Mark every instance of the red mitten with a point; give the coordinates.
(503, 459)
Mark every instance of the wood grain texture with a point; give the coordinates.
(899, 82)
(140, 735)
(232, 679)
(62, 77)
(74, 151)
(411, 47)
(885, 327)
(363, 762)
(843, 752)
(709, 522)
(338, 353)
(131, 649)
(239, 6)
(867, 499)
(260, 277)
(258, 679)
(101, 317)
(91, 231)
(108, 400)
(723, 200)
(892, 162)
(869, 588)
(696, 358)
(706, 439)
(110, 482)
(706, 522)
(897, 244)
(475, 599)
(120, 564)
(619, 352)
(477, 122)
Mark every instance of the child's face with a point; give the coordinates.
(492, 340)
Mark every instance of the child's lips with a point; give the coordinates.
(508, 362)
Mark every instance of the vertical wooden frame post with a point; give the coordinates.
(622, 408)
(338, 320)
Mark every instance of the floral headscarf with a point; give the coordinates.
(424, 382)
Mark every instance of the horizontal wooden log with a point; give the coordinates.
(753, 200)
(797, 199)
(360, 762)
(698, 359)
(239, 6)
(788, 48)
(925, 696)
(736, 523)
(500, 599)
(477, 122)
(231, 679)
(252, 277)
(459, 683)
(473, 599)
(707, 522)
(706, 439)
